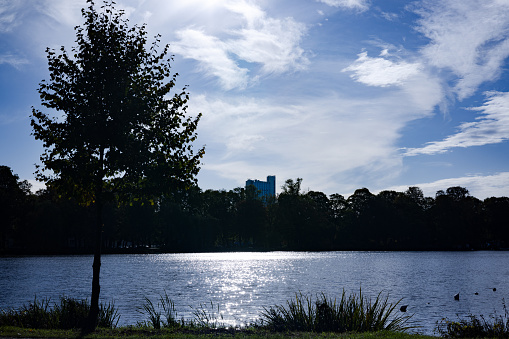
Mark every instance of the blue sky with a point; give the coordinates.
(342, 93)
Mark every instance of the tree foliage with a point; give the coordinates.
(122, 132)
(123, 135)
(194, 220)
(13, 197)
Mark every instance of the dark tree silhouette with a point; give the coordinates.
(13, 194)
(122, 136)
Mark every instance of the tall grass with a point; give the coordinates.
(353, 312)
(207, 317)
(350, 313)
(164, 314)
(496, 326)
(69, 313)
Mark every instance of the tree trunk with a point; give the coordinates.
(93, 314)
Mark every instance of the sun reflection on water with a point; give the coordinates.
(236, 281)
(237, 286)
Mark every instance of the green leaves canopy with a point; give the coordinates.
(121, 131)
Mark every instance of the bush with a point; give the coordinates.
(352, 313)
(70, 313)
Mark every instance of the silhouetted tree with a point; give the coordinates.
(360, 219)
(289, 219)
(320, 227)
(455, 216)
(122, 135)
(13, 199)
(496, 214)
(251, 220)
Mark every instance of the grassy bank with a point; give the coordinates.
(350, 316)
(132, 332)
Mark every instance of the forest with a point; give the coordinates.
(194, 220)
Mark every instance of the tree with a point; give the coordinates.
(457, 193)
(13, 194)
(123, 136)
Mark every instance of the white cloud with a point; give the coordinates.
(328, 144)
(272, 43)
(66, 12)
(352, 4)
(13, 60)
(389, 16)
(10, 12)
(470, 38)
(491, 127)
(251, 12)
(479, 186)
(212, 55)
(381, 72)
(425, 90)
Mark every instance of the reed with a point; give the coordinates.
(68, 314)
(207, 316)
(496, 326)
(323, 314)
(164, 314)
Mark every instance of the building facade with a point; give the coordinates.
(265, 188)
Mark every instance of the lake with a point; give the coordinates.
(242, 284)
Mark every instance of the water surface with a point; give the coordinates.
(241, 284)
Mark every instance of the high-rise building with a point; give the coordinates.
(265, 188)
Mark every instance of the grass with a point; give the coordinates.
(69, 313)
(134, 332)
(496, 326)
(350, 313)
(163, 315)
(349, 316)
(207, 317)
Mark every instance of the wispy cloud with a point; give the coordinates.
(9, 15)
(411, 77)
(389, 16)
(13, 60)
(272, 43)
(352, 4)
(66, 12)
(491, 127)
(329, 144)
(469, 38)
(212, 56)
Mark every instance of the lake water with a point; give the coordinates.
(241, 284)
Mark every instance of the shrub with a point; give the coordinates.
(352, 313)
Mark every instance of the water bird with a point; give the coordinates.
(457, 296)
(494, 289)
(476, 293)
(403, 308)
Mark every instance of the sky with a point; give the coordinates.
(344, 94)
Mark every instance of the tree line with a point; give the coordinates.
(194, 220)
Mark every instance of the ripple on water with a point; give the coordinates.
(242, 284)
